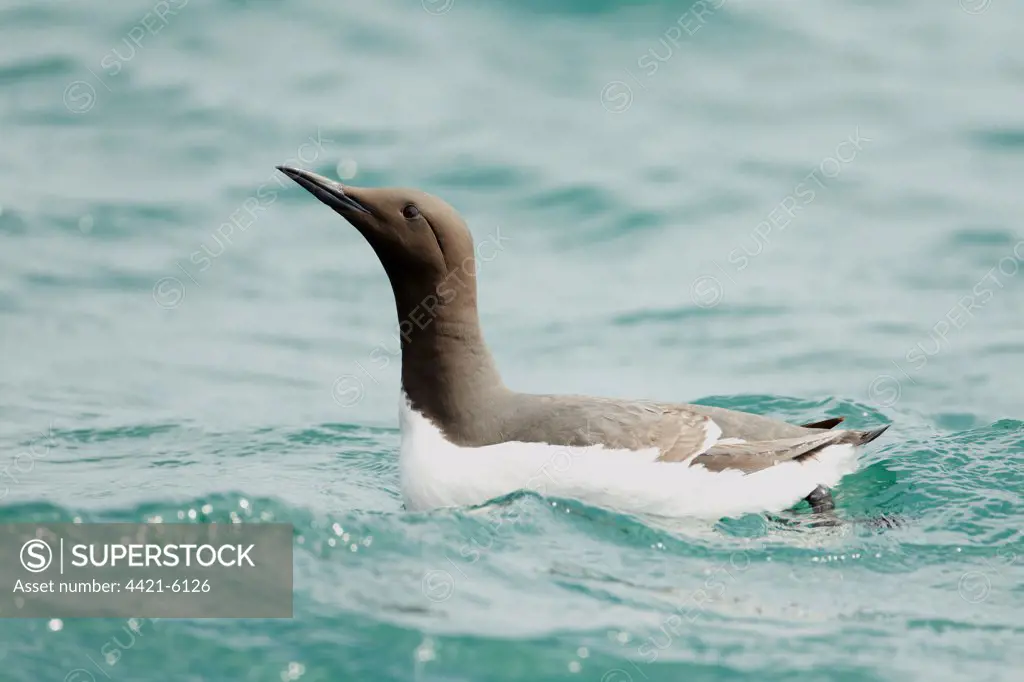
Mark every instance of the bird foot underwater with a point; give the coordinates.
(823, 513)
(821, 500)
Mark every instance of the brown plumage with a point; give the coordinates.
(449, 376)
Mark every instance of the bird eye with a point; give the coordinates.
(410, 212)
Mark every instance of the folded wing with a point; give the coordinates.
(755, 456)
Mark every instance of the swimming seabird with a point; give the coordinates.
(467, 439)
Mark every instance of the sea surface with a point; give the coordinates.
(797, 209)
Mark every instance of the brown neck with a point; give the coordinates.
(448, 373)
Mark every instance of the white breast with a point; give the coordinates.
(436, 473)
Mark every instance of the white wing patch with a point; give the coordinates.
(712, 431)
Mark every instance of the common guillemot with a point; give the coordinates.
(467, 438)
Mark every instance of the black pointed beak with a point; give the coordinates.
(326, 190)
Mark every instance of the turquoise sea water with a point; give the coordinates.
(791, 208)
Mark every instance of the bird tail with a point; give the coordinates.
(863, 437)
(825, 423)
